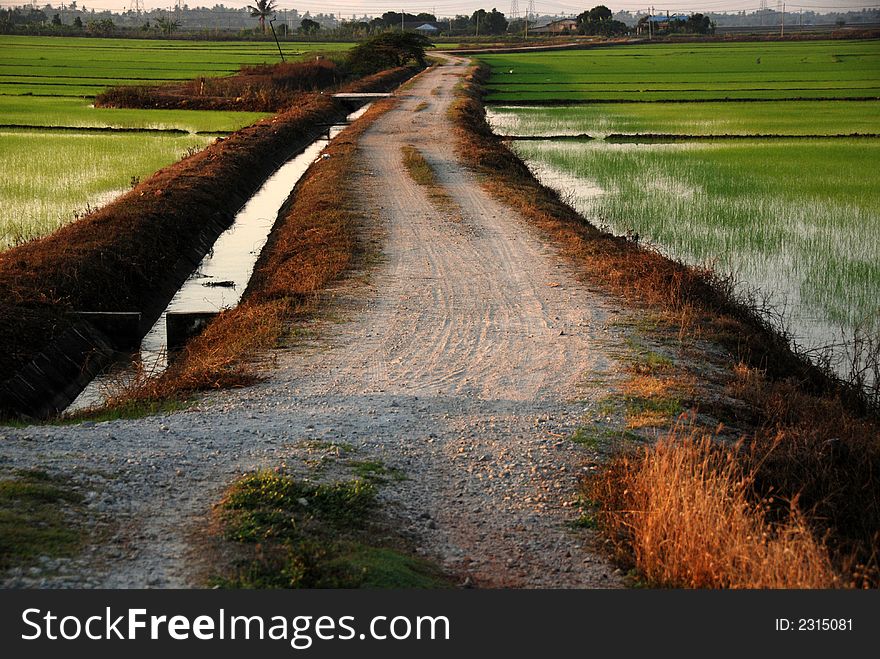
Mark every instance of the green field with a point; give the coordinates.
(721, 118)
(765, 70)
(798, 219)
(78, 113)
(70, 66)
(47, 83)
(50, 177)
(799, 216)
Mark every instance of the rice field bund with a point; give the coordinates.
(60, 159)
(782, 190)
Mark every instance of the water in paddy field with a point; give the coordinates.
(223, 274)
(811, 253)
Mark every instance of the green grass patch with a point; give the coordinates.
(598, 437)
(37, 518)
(586, 436)
(584, 521)
(651, 411)
(376, 471)
(294, 534)
(417, 167)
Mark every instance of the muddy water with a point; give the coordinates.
(222, 276)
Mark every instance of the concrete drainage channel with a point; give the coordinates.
(217, 283)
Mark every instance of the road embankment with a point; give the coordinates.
(132, 254)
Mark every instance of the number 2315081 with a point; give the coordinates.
(814, 624)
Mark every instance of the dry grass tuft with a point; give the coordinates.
(684, 512)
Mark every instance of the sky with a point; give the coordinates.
(346, 8)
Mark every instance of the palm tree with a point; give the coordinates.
(262, 8)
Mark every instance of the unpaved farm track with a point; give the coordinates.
(463, 360)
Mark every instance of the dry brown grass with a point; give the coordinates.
(263, 88)
(684, 512)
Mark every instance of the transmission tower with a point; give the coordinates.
(514, 10)
(137, 6)
(529, 12)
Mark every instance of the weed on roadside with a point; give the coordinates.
(291, 534)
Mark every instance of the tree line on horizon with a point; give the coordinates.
(74, 19)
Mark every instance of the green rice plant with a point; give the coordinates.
(725, 118)
(796, 219)
(78, 113)
(48, 178)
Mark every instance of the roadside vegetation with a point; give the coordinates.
(40, 516)
(313, 243)
(794, 503)
(281, 532)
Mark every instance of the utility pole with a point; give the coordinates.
(782, 28)
(531, 10)
(402, 16)
(275, 36)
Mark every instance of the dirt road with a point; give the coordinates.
(462, 362)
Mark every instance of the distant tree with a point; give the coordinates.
(387, 50)
(167, 25)
(694, 24)
(56, 19)
(78, 23)
(600, 13)
(308, 26)
(260, 10)
(496, 23)
(485, 22)
(599, 21)
(700, 24)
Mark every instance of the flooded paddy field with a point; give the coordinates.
(59, 157)
(50, 178)
(698, 119)
(788, 202)
(797, 220)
